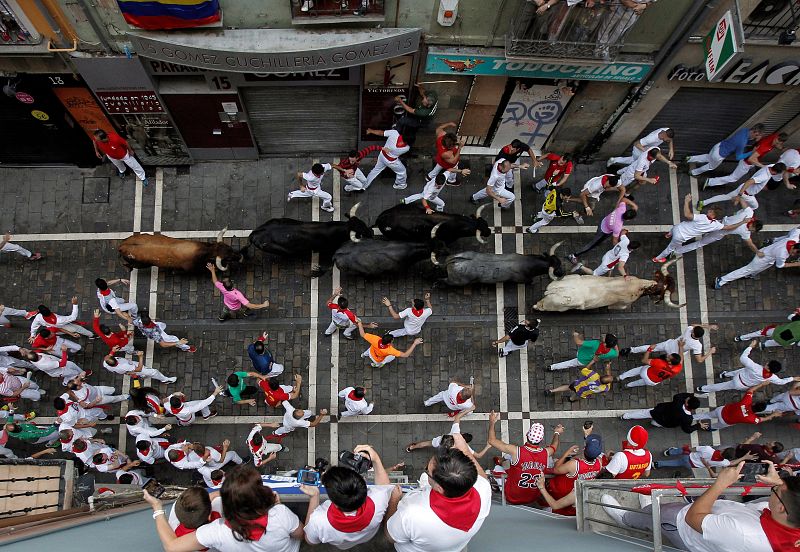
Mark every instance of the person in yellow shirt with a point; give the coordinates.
(590, 383)
(380, 350)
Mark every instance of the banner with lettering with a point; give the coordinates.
(169, 14)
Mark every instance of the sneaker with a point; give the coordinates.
(348, 337)
(576, 268)
(500, 353)
(30, 314)
(307, 5)
(572, 258)
(578, 218)
(222, 318)
(531, 229)
(547, 393)
(34, 257)
(705, 184)
(399, 186)
(723, 374)
(191, 349)
(145, 183)
(127, 397)
(686, 159)
(30, 416)
(699, 391)
(122, 175)
(791, 214)
(538, 322)
(666, 453)
(109, 418)
(289, 198)
(659, 259)
(211, 415)
(326, 334)
(608, 503)
(625, 351)
(329, 208)
(737, 339)
(718, 282)
(473, 200)
(365, 354)
(699, 206)
(609, 162)
(106, 430)
(656, 465)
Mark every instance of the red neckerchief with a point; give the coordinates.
(352, 396)
(182, 530)
(382, 345)
(176, 410)
(604, 180)
(352, 523)
(51, 319)
(506, 149)
(217, 482)
(400, 142)
(781, 537)
(716, 456)
(789, 245)
(255, 528)
(145, 452)
(65, 441)
(417, 312)
(60, 412)
(602, 349)
(254, 447)
(105, 292)
(765, 373)
(181, 455)
(459, 513)
(164, 444)
(459, 400)
(150, 325)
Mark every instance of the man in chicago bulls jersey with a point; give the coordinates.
(528, 461)
(633, 461)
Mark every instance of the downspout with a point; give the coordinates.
(490, 38)
(99, 31)
(677, 39)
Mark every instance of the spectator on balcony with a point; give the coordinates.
(418, 116)
(619, 20)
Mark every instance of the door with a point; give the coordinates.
(480, 113)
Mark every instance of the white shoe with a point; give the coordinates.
(289, 197)
(307, 5)
(400, 187)
(645, 500)
(328, 208)
(613, 513)
(609, 162)
(532, 230)
(171, 380)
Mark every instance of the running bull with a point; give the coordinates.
(143, 250)
(371, 258)
(286, 237)
(411, 223)
(587, 292)
(472, 267)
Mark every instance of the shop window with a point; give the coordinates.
(593, 30)
(305, 12)
(774, 20)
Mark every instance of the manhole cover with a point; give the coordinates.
(96, 189)
(511, 317)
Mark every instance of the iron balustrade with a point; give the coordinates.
(772, 18)
(563, 31)
(336, 8)
(12, 30)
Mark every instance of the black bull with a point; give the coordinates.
(371, 258)
(472, 267)
(411, 223)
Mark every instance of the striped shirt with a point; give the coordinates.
(10, 385)
(345, 161)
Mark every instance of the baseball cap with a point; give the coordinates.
(535, 433)
(593, 446)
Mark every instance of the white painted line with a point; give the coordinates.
(126, 381)
(73, 236)
(313, 336)
(334, 388)
(501, 328)
(159, 200)
(525, 398)
(703, 299)
(676, 204)
(137, 208)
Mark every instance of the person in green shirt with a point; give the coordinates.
(238, 388)
(31, 433)
(784, 335)
(418, 116)
(589, 350)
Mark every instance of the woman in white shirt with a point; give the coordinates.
(255, 520)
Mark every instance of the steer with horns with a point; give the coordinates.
(587, 292)
(144, 250)
(412, 223)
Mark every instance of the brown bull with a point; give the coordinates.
(143, 250)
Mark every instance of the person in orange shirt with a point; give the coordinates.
(381, 351)
(657, 369)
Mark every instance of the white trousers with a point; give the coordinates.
(130, 161)
(437, 201)
(14, 248)
(544, 220)
(640, 371)
(635, 153)
(7, 453)
(283, 430)
(641, 414)
(673, 244)
(348, 331)
(508, 196)
(169, 338)
(32, 393)
(756, 266)
(510, 347)
(397, 166)
(707, 239)
(657, 348)
(712, 160)
(713, 415)
(437, 168)
(151, 373)
(375, 363)
(747, 199)
(437, 398)
(72, 347)
(107, 395)
(318, 191)
(9, 311)
(733, 384)
(78, 329)
(742, 169)
(781, 402)
(574, 363)
(766, 332)
(357, 182)
(404, 331)
(361, 412)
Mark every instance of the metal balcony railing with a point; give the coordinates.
(13, 31)
(592, 30)
(302, 9)
(772, 20)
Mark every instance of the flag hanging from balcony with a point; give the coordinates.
(169, 14)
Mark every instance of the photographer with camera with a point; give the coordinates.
(354, 511)
(446, 515)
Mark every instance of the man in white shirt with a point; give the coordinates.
(121, 365)
(691, 343)
(777, 253)
(788, 401)
(109, 459)
(310, 184)
(85, 449)
(46, 318)
(750, 375)
(389, 157)
(71, 414)
(184, 411)
(138, 424)
(652, 140)
(447, 439)
(53, 366)
(791, 159)
(89, 396)
(355, 402)
(353, 513)
(743, 231)
(149, 449)
(109, 302)
(446, 515)
(635, 174)
(695, 225)
(456, 397)
(747, 191)
(216, 458)
(185, 455)
(496, 184)
(430, 194)
(262, 451)
(413, 317)
(68, 435)
(614, 257)
(595, 187)
(294, 418)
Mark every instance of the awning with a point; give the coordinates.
(275, 50)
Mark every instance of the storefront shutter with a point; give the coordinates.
(302, 120)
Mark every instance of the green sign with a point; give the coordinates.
(721, 46)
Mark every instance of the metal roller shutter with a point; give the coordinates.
(702, 117)
(302, 120)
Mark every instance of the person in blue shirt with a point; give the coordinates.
(262, 358)
(734, 145)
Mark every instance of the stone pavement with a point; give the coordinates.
(76, 218)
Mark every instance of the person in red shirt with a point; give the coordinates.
(742, 411)
(114, 146)
(275, 393)
(557, 172)
(633, 461)
(47, 341)
(762, 147)
(348, 168)
(448, 153)
(657, 369)
(528, 462)
(121, 338)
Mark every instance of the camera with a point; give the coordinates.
(155, 488)
(308, 477)
(751, 469)
(356, 462)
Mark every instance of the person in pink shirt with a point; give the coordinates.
(233, 300)
(611, 225)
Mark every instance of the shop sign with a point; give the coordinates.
(84, 109)
(746, 71)
(130, 102)
(24, 97)
(461, 62)
(721, 46)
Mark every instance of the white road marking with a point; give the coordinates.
(159, 200)
(523, 353)
(313, 336)
(334, 403)
(501, 327)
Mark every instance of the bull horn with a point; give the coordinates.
(433, 256)
(480, 210)
(666, 265)
(353, 237)
(552, 273)
(555, 246)
(353, 210)
(479, 237)
(435, 229)
(222, 233)
(219, 264)
(669, 303)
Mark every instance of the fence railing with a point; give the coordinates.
(771, 20)
(336, 8)
(13, 31)
(596, 32)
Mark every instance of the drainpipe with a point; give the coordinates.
(490, 38)
(676, 41)
(98, 29)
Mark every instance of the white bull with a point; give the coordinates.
(575, 292)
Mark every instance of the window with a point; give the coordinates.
(332, 11)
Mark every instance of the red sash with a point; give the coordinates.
(352, 396)
(352, 523)
(105, 292)
(781, 537)
(417, 312)
(459, 513)
(255, 527)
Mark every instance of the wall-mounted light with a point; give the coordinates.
(448, 11)
(217, 132)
